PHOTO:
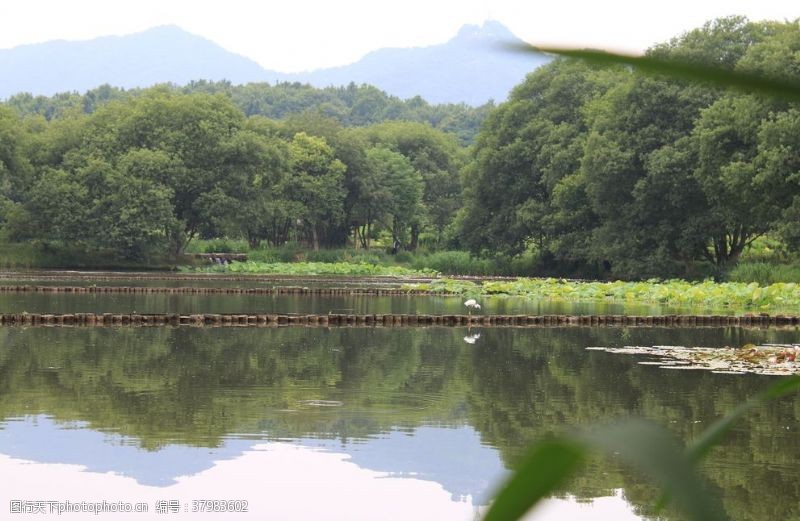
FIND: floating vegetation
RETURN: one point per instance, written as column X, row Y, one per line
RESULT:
column 312, row 268
column 675, row 293
column 767, row 359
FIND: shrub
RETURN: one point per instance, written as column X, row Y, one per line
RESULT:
column 764, row 273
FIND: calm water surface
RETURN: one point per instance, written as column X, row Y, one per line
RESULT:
column 363, row 423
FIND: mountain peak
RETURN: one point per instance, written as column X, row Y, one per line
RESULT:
column 491, row 30
column 167, row 28
column 167, row 31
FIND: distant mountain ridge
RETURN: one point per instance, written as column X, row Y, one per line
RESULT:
column 468, row 68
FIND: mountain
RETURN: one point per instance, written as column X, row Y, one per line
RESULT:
column 469, row 68
column 158, row 55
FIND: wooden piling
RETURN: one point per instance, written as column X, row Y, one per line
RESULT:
column 396, row 320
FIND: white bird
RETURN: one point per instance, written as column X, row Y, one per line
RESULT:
column 472, row 304
column 471, row 339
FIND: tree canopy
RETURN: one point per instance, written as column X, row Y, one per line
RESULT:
column 596, row 170
column 639, row 174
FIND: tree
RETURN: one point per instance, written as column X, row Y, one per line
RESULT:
column 15, row 168
column 316, row 184
column 263, row 213
column 726, row 140
column 527, row 146
column 349, row 147
column 200, row 134
column 643, row 124
column 438, row 159
column 395, row 192
column 777, row 180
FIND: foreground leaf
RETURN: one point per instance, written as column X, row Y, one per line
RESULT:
column 716, row 76
column 545, row 468
column 713, row 434
column 655, row 450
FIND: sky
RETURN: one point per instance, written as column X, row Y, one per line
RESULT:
column 292, row 36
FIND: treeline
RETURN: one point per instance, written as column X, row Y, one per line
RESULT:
column 596, row 171
column 351, row 106
column 609, row 170
column 143, row 176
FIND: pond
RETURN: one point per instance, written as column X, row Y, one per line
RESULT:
column 363, row 423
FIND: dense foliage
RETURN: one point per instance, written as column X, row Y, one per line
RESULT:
column 593, row 171
column 612, row 170
column 144, row 175
column 351, row 106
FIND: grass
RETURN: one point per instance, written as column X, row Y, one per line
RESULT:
column 27, row 255
column 764, row 273
column 736, row 296
column 445, row 262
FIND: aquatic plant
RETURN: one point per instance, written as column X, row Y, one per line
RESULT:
column 674, row 293
column 313, row 268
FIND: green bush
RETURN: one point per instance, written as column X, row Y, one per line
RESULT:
column 287, row 253
column 454, row 263
column 462, row 263
column 764, row 273
column 226, row 245
column 404, row 257
column 324, row 256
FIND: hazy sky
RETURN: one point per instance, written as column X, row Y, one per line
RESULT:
column 303, row 34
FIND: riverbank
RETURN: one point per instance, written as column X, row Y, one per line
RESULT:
column 697, row 297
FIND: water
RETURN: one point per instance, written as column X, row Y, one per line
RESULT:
column 364, row 423
column 165, row 303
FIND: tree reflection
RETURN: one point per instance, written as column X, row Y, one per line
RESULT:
column 198, row 386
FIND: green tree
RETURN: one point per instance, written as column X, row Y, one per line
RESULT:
column 726, row 137
column 395, row 192
column 438, row 159
column 349, row 147
column 316, row 184
column 200, row 134
column 778, row 178
column 527, row 146
column 15, row 168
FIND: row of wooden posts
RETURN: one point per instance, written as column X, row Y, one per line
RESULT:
column 185, row 290
column 230, row 319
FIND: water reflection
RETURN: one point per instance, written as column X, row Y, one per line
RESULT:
column 40, row 439
column 160, row 408
column 277, row 480
column 397, row 476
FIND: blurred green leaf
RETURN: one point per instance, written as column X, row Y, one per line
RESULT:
column 711, row 436
column 655, row 451
column 641, row 443
column 717, row 76
column 544, row 469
